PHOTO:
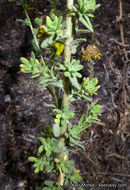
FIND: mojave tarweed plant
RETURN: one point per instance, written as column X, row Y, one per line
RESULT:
column 56, row 72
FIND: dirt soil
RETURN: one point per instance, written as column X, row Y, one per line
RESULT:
column 23, row 114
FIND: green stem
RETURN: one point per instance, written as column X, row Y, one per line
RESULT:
column 67, row 57
column 34, row 36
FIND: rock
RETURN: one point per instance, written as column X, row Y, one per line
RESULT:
column 7, row 98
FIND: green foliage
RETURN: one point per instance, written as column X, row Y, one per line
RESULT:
column 75, row 44
column 49, row 147
column 48, row 185
column 47, row 77
column 62, row 136
column 73, row 132
column 89, row 86
column 70, row 70
column 55, row 30
column 73, row 135
column 42, row 164
column 82, row 11
column 38, row 21
column 73, row 178
column 62, row 118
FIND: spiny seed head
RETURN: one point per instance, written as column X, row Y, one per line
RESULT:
column 91, row 52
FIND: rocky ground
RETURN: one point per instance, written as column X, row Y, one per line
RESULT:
column 23, row 114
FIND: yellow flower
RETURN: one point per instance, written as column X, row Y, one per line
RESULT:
column 58, row 53
column 59, row 47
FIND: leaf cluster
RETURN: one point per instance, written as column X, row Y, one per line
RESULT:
column 89, row 86
column 39, row 69
column 82, row 11
column 73, row 132
column 62, row 118
column 71, row 69
column 55, row 29
column 44, row 162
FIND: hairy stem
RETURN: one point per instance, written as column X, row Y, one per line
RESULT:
column 67, row 57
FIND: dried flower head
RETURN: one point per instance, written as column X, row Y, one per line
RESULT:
column 91, row 53
column 42, row 32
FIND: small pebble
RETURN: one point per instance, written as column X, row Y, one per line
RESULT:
column 7, row 98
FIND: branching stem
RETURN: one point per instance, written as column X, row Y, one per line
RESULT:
column 34, row 36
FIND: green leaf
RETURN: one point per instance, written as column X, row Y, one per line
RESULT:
column 74, row 82
column 36, row 47
column 89, row 23
column 41, row 167
column 59, row 22
column 36, row 170
column 27, row 22
column 97, row 6
column 72, row 140
column 56, row 130
column 90, row 15
column 86, row 97
column 50, row 105
column 45, row 43
column 81, row 4
column 36, row 165
column 48, row 21
column 85, row 23
column 97, row 109
column 32, row 159
column 75, row 178
column 67, row 74
column 40, row 149
column 38, row 21
column 24, row 60
column 35, row 30
column 62, row 67
column 43, row 141
column 48, row 152
column 49, row 183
